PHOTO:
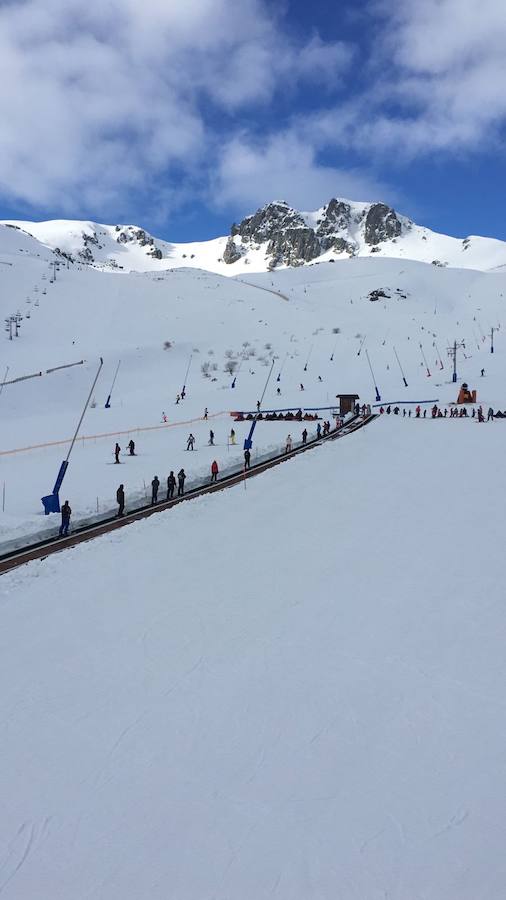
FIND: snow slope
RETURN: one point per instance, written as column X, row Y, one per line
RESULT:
column 317, row 315
column 292, row 691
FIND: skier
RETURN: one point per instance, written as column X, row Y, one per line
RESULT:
column 232, row 436
column 205, row 413
column 120, row 497
column 482, row 372
column 278, row 391
column 155, row 484
column 490, row 414
column 117, row 451
column 180, row 482
column 183, row 394
column 318, row 431
column 425, row 413
column 171, row 484
column 301, row 386
column 65, row 518
column 247, row 459
column 480, row 415
column 164, row 417
column 258, row 405
column 214, row 471
column 178, row 398
column 320, row 378
column 211, row 438
column 191, row 442
column 288, row 447
column 304, row 436
column 131, row 447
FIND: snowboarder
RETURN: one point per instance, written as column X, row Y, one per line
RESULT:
column 232, row 436
column 171, row 484
column 304, row 436
column 288, row 447
column 117, row 451
column 65, row 518
column 155, row 484
column 120, row 497
column 214, row 471
column 191, row 442
column 247, row 459
column 180, row 482
column 211, row 438
column 205, row 413
column 131, row 447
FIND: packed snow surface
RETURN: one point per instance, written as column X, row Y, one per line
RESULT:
column 293, row 690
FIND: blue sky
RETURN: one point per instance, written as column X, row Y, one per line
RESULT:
column 187, row 116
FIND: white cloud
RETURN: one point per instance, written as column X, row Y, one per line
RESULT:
column 285, row 168
column 100, row 98
column 444, row 62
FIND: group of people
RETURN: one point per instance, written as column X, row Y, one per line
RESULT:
column 117, row 450
column 454, row 412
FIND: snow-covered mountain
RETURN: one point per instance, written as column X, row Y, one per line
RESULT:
column 275, row 236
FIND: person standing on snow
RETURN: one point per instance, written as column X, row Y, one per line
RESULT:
column 232, row 436
column 247, row 459
column 171, row 484
column 131, row 447
column 288, row 447
column 318, row 431
column 205, row 413
column 211, row 438
column 117, row 451
column 214, row 471
column 155, row 484
column 304, row 436
column 181, row 476
column 191, row 442
column 490, row 414
column 65, row 518
column 120, row 497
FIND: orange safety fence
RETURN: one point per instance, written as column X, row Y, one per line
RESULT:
column 93, row 437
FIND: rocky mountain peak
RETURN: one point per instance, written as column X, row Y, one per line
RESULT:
column 292, row 238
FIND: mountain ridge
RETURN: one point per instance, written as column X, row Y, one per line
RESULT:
column 275, row 236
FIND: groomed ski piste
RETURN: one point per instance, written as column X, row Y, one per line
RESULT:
column 291, row 690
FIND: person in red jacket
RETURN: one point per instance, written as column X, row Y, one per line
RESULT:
column 214, row 471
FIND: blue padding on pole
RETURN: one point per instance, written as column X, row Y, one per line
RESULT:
column 51, row 504
column 61, row 475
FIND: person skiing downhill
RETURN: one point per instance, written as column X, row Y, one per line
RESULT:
column 155, row 484
column 65, row 518
column 120, row 497
column 171, row 484
column 214, row 471
column 117, row 451
column 181, row 476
